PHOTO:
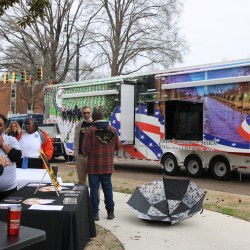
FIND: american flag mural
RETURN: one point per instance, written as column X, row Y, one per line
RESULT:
column 149, row 130
column 244, row 129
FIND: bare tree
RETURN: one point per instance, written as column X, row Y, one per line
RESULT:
column 126, row 36
column 29, row 98
column 44, row 42
column 134, row 34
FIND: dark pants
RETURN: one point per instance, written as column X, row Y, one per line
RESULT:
column 4, row 194
column 32, row 163
column 94, row 184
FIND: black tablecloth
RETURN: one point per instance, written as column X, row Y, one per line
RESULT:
column 70, row 228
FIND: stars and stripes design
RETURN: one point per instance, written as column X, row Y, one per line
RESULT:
column 225, row 145
column 210, row 143
column 244, row 129
column 231, row 145
column 148, row 132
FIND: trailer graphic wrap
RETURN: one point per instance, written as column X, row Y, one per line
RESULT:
column 197, row 118
column 244, row 129
column 50, row 103
column 148, row 131
column 225, row 116
column 58, row 99
column 208, row 75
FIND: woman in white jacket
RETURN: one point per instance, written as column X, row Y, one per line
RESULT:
column 9, row 148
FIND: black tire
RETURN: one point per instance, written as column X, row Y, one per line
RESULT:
column 193, row 165
column 170, row 165
column 220, row 168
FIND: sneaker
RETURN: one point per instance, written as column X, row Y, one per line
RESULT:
column 111, row 215
column 96, row 217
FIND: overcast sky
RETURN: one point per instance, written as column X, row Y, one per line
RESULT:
column 216, row 30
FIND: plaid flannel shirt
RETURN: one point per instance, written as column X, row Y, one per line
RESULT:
column 100, row 155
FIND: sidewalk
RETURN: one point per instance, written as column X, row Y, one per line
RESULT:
column 209, row 230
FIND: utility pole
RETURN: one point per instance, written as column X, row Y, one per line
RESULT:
column 77, row 56
column 77, row 48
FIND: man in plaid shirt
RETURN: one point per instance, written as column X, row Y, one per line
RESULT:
column 99, row 144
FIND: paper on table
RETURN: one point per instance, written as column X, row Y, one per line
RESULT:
column 37, row 201
column 46, row 207
column 36, row 185
column 67, row 184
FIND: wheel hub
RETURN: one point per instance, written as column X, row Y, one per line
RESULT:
column 193, row 167
column 169, row 165
column 220, row 169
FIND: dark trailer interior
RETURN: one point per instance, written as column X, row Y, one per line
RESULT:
column 183, row 120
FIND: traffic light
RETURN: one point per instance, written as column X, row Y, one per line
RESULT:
column 13, row 77
column 40, row 73
column 5, row 78
column 30, row 81
column 23, row 76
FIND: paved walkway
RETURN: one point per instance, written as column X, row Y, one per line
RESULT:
column 209, row 230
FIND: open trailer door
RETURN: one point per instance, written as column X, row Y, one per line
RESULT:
column 127, row 133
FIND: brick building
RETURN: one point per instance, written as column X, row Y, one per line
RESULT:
column 24, row 98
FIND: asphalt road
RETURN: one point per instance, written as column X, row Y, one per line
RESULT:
column 149, row 171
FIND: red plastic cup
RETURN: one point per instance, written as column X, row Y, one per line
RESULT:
column 14, row 217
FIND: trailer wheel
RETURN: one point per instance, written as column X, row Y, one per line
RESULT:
column 170, row 165
column 220, row 168
column 193, row 166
